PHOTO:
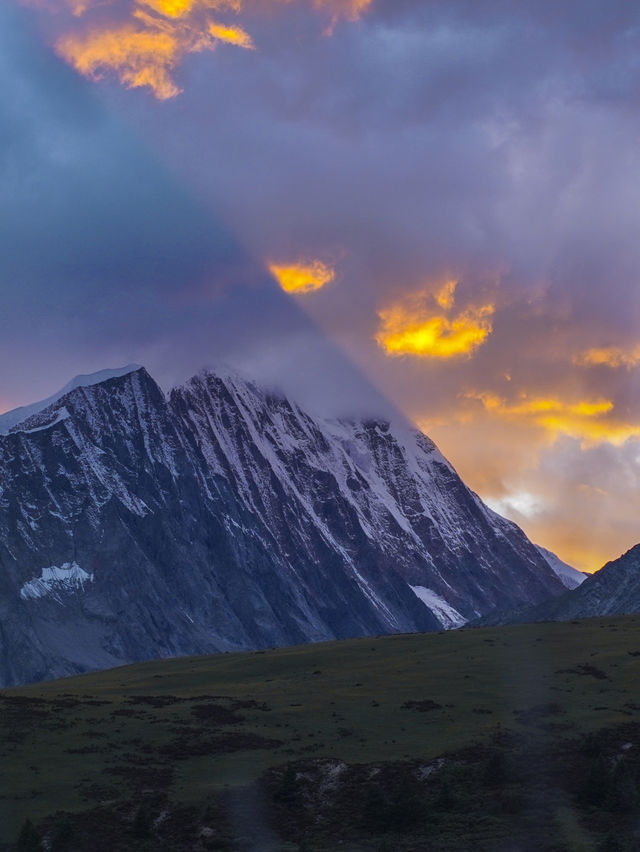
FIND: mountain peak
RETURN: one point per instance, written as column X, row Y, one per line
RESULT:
column 229, row 517
column 10, row 419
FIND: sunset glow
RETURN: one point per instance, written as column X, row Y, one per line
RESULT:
column 609, row 356
column 138, row 57
column 148, row 41
column 231, row 35
column 445, row 296
column 590, row 421
column 302, row 277
column 412, row 328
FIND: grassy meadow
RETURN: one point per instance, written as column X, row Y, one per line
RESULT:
column 509, row 738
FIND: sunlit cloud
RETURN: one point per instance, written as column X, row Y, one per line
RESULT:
column 445, row 297
column 590, row 421
column 147, row 51
column 231, row 35
column 303, row 276
column 138, row 57
column 520, row 502
column 148, row 42
column 609, row 356
column 180, row 8
column 413, row 327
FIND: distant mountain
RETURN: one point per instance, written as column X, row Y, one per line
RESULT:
column 224, row 517
column 570, row 577
column 613, row 590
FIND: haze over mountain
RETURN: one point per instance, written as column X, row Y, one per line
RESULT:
column 134, row 525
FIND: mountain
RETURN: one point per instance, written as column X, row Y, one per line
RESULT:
column 222, row 517
column 613, row 590
column 11, row 419
column 570, row 577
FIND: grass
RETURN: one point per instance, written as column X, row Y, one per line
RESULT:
column 198, row 733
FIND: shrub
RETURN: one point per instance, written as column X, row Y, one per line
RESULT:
column 29, row 839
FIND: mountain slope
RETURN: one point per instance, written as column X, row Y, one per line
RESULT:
column 570, row 577
column 12, row 419
column 613, row 590
column 225, row 517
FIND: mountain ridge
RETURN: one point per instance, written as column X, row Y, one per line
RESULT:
column 613, row 590
column 222, row 516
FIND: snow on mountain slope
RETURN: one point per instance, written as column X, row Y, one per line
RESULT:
column 362, row 482
column 446, row 614
column 55, row 581
column 570, row 577
column 10, row 419
column 227, row 517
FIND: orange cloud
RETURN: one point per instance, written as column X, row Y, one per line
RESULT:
column 146, row 51
column 147, row 45
column 445, row 297
column 231, row 35
column 410, row 328
column 590, row 421
column 609, row 356
column 169, row 8
column 302, row 277
column 138, row 57
column 183, row 8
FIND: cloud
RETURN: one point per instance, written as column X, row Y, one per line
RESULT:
column 146, row 51
column 590, row 421
column 494, row 145
column 303, row 276
column 147, row 40
column 410, row 327
column 609, row 356
column 103, row 252
column 490, row 144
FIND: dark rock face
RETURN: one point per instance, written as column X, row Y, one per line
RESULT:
column 613, row 590
column 224, row 517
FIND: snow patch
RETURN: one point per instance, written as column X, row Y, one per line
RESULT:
column 54, row 581
column 63, row 414
column 443, row 611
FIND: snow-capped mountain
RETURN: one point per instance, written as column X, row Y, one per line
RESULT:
column 224, row 517
column 570, row 577
column 10, row 419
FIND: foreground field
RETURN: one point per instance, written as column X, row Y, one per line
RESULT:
column 500, row 738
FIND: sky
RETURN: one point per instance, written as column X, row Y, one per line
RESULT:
column 430, row 204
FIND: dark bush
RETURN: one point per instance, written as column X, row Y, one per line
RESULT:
column 287, row 792
column 595, row 789
column 61, row 835
column 29, row 839
column 495, row 771
column 142, row 823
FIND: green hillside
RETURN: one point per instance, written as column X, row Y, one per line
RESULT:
column 499, row 738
